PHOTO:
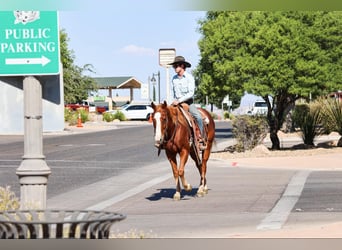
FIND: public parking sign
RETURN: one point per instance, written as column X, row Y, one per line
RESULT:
column 29, row 43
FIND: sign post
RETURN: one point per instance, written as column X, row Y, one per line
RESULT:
column 167, row 56
column 33, row 171
column 29, row 46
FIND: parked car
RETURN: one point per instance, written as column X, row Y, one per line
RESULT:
column 259, row 108
column 135, row 111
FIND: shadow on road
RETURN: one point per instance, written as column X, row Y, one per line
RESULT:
column 169, row 192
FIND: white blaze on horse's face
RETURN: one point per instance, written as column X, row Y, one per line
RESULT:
column 157, row 136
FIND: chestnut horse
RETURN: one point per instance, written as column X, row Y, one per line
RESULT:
column 173, row 134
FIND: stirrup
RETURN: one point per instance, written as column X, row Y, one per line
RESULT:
column 202, row 146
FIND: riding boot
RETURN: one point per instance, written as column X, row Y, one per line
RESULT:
column 201, row 142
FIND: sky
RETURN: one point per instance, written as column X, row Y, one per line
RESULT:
column 127, row 42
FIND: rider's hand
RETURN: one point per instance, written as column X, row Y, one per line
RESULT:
column 175, row 103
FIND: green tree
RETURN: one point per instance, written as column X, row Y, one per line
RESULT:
column 282, row 55
column 76, row 85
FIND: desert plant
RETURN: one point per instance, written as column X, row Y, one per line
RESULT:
column 84, row 114
column 331, row 112
column 308, row 119
column 226, row 115
column 249, row 131
column 214, row 115
column 132, row 234
column 8, row 199
column 68, row 114
column 108, row 117
column 120, row 116
column 71, row 116
column 331, row 115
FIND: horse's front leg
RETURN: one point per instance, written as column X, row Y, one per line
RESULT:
column 184, row 155
column 173, row 161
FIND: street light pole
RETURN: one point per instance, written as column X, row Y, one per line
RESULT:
column 153, row 80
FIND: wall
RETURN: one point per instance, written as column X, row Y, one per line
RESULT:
column 12, row 104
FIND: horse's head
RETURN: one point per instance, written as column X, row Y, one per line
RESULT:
column 160, row 120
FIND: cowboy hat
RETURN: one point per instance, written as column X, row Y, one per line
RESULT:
column 180, row 60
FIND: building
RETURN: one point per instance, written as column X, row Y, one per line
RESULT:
column 12, row 104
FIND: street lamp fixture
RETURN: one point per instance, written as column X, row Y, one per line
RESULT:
column 153, row 81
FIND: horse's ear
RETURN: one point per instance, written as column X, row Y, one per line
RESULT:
column 165, row 103
column 153, row 105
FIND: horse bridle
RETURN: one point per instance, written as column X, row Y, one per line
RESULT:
column 164, row 141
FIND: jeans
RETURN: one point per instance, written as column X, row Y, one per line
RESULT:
column 196, row 114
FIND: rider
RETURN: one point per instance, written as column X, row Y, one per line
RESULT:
column 183, row 88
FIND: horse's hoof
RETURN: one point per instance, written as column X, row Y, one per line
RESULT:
column 176, row 196
column 200, row 194
column 188, row 187
column 205, row 190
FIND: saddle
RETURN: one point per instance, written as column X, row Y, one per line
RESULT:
column 192, row 122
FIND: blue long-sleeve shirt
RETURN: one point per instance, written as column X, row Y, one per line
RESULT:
column 183, row 87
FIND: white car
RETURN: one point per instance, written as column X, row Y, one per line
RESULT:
column 259, row 108
column 135, row 111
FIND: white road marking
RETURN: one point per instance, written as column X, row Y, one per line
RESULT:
column 279, row 214
column 138, row 189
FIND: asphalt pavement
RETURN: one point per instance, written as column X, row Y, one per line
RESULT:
column 143, row 193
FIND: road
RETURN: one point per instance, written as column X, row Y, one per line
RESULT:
column 119, row 170
column 81, row 159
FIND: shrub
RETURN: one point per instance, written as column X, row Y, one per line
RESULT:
column 331, row 113
column 214, row 115
column 120, row 116
column 71, row 116
column 249, row 131
column 226, row 115
column 68, row 114
column 307, row 118
column 108, row 117
column 84, row 114
column 8, row 200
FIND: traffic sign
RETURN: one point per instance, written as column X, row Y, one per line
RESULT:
column 29, row 43
column 166, row 56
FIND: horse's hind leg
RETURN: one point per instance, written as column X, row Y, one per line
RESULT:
column 173, row 161
column 203, row 188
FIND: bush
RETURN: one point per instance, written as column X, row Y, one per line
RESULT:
column 214, row 115
column 68, row 114
column 226, row 115
column 249, row 131
column 307, row 117
column 120, row 116
column 331, row 113
column 84, row 114
column 71, row 116
column 108, row 117
column 8, row 200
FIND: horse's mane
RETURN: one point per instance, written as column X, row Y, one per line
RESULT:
column 176, row 114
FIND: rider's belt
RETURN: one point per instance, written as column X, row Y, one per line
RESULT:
column 189, row 101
